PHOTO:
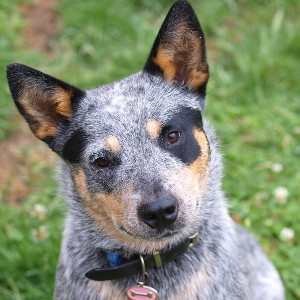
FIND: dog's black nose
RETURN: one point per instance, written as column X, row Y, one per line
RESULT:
column 161, row 213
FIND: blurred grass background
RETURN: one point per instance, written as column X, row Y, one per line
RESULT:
column 253, row 101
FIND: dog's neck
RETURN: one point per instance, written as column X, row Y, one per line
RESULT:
column 134, row 266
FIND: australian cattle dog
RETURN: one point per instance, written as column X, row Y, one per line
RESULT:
column 141, row 174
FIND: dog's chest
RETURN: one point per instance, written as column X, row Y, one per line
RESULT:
column 106, row 290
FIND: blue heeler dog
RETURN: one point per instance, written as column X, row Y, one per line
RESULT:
column 141, row 174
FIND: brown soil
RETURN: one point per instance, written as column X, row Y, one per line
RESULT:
column 24, row 159
column 42, row 23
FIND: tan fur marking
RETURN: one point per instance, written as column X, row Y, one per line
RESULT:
column 104, row 205
column 201, row 164
column 196, row 175
column 112, row 143
column 107, row 290
column 198, row 78
column 43, row 131
column 63, row 100
column 197, row 285
column 108, row 211
column 154, row 128
column 165, row 61
column 181, row 58
column 42, row 108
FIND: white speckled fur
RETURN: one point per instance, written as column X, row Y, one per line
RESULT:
column 227, row 263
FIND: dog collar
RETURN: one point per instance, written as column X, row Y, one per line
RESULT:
column 133, row 267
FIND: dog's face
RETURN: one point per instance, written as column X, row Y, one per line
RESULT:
column 141, row 165
column 136, row 149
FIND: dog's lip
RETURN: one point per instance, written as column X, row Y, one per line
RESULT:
column 159, row 237
column 168, row 234
column 125, row 230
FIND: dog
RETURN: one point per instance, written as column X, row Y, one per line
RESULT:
column 141, row 174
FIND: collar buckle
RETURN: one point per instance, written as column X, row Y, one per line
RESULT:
column 157, row 259
column 194, row 239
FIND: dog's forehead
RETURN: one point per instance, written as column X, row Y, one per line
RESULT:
column 134, row 102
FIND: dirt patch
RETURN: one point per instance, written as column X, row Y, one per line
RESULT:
column 24, row 162
column 42, row 23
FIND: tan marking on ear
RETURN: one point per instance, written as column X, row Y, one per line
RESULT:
column 165, row 61
column 154, row 128
column 63, row 100
column 108, row 211
column 196, row 174
column 198, row 78
column 44, row 131
column 43, row 109
column 180, row 57
column 107, row 290
column 112, row 143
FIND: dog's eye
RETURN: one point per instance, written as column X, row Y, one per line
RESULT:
column 103, row 162
column 173, row 137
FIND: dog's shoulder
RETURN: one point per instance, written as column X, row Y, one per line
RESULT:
column 263, row 278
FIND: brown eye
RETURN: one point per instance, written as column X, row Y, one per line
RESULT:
column 103, row 162
column 173, row 137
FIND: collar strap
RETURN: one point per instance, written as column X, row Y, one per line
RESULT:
column 133, row 267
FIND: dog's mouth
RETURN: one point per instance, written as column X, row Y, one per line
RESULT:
column 159, row 236
column 122, row 228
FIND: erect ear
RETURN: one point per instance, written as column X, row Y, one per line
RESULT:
column 178, row 53
column 44, row 101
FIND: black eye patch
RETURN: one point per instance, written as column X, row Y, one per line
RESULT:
column 75, row 146
column 185, row 145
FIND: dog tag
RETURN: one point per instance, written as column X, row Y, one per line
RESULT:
column 142, row 292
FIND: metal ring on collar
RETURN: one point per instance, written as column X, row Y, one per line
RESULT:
column 143, row 265
column 142, row 282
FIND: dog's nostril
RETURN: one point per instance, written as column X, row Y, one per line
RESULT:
column 170, row 210
column 150, row 217
column 161, row 213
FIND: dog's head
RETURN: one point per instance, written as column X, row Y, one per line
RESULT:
column 136, row 149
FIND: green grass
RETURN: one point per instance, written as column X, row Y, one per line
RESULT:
column 11, row 49
column 253, row 101
column 11, row 25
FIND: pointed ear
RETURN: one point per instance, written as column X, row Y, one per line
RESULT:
column 45, row 102
column 179, row 53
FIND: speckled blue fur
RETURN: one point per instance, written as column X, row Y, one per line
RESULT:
column 227, row 262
